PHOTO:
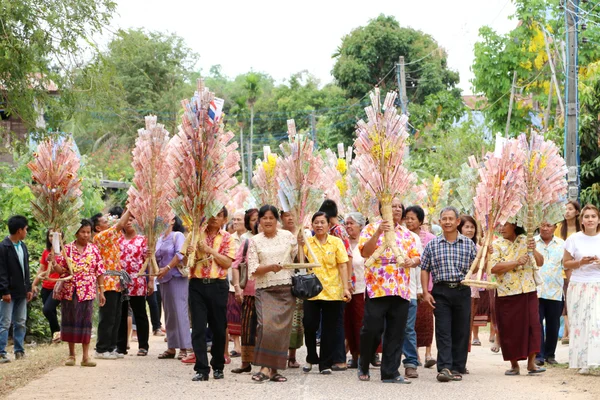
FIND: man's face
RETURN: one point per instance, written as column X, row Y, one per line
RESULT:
column 547, row 231
column 102, row 224
column 217, row 222
column 238, row 222
column 22, row 233
column 449, row 221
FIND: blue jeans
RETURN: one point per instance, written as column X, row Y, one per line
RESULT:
column 409, row 347
column 14, row 312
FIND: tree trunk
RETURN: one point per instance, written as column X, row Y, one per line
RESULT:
column 242, row 154
column 251, row 147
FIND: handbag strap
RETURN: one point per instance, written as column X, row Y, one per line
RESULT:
column 245, row 251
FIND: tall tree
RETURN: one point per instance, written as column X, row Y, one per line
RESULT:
column 253, row 90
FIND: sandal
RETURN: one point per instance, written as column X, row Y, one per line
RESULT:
column 476, row 342
column 88, row 363
column 182, row 354
column 259, row 377
column 142, row 352
column 363, row 377
column 352, row 364
column 56, row 337
column 376, row 361
column 398, row 379
column 495, row 348
column 536, row 371
column 292, row 363
column 429, row 362
column 165, row 355
column 512, row 372
column 278, row 378
column 234, row 354
column 70, row 362
column 247, row 368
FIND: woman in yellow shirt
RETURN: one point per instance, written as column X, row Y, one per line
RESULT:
column 517, row 307
column 325, row 308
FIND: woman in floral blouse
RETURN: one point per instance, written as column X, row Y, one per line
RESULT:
column 517, row 309
column 77, row 294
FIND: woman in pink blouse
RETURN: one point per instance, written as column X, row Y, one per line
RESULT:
column 134, row 249
column 77, row 294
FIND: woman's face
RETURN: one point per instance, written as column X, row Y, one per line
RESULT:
column 268, row 223
column 571, row 212
column 589, row 221
column 320, row 225
column 411, row 221
column 508, row 230
column 254, row 219
column 352, row 228
column 468, row 229
column 83, row 236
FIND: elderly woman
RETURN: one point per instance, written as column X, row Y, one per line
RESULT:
column 326, row 306
column 582, row 256
column 517, row 307
column 174, row 291
column 267, row 252
column 355, row 309
column 77, row 294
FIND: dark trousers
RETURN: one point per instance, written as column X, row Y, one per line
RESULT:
column 383, row 315
column 208, row 305
column 550, row 311
column 49, row 310
column 339, row 351
column 452, row 324
column 154, row 305
column 328, row 312
column 109, row 318
column 138, row 306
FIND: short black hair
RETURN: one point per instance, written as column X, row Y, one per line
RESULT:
column 48, row 241
column 223, row 211
column 15, row 223
column 84, row 222
column 94, row 220
column 330, row 208
column 116, row 211
column 519, row 230
column 319, row 214
column 247, row 216
column 267, row 207
column 178, row 225
column 419, row 212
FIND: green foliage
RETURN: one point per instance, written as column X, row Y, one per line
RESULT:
column 41, row 41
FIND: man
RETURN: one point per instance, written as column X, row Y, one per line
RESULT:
column 15, row 287
column 448, row 258
column 329, row 207
column 107, row 240
column 550, row 292
column 387, row 296
column 238, row 228
column 208, row 293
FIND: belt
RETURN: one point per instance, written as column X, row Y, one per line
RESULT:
column 207, row 281
column 452, row 285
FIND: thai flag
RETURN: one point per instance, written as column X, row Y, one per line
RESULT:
column 215, row 110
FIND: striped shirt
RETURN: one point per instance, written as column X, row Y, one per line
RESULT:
column 448, row 261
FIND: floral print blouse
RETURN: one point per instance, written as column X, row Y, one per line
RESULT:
column 108, row 245
column 519, row 280
column 133, row 257
column 87, row 267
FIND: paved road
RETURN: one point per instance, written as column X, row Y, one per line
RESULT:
column 149, row 378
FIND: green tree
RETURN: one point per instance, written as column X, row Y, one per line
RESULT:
column 252, row 87
column 41, row 43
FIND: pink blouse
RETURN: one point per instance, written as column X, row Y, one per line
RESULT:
column 87, row 267
column 133, row 257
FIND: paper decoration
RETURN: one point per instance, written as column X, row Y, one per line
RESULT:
column 152, row 188
column 240, row 198
column 436, row 197
column 464, row 189
column 266, row 185
column 336, row 176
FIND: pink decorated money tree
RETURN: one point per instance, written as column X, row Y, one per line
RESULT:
column 379, row 149
column 499, row 197
column 152, row 189
column 240, row 198
column 203, row 163
column 264, row 179
column 57, row 192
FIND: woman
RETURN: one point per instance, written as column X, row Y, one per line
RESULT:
column 582, row 257
column 174, row 291
column 78, row 293
column 274, row 301
column 245, row 297
column 355, row 308
column 414, row 218
column 49, row 303
column 326, row 306
column 234, row 308
column 134, row 249
column 566, row 228
column 517, row 308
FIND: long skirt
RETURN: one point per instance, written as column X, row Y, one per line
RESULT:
column 519, row 325
column 234, row 316
column 174, row 295
column 424, row 325
column 354, row 314
column 297, row 336
column 481, row 309
column 274, row 309
column 76, row 320
column 249, row 323
column 584, row 324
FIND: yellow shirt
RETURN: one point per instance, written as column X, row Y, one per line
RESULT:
column 329, row 255
column 519, row 280
column 204, row 268
column 557, row 234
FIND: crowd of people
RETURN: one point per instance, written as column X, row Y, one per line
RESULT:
column 375, row 309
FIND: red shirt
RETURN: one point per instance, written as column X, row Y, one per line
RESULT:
column 46, row 284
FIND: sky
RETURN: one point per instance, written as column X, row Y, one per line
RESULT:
column 284, row 37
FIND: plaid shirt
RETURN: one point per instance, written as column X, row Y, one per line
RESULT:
column 448, row 261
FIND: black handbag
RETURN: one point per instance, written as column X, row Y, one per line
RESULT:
column 243, row 267
column 306, row 286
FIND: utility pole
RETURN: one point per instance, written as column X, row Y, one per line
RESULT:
column 571, row 99
column 313, row 127
column 242, row 153
column 401, row 77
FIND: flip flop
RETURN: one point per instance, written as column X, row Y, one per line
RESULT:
column 398, row 379
column 476, row 342
column 259, row 377
column 166, row 355
column 495, row 348
column 512, row 372
column 278, row 378
column 364, row 377
column 142, row 352
column 234, row 354
column 536, row 371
